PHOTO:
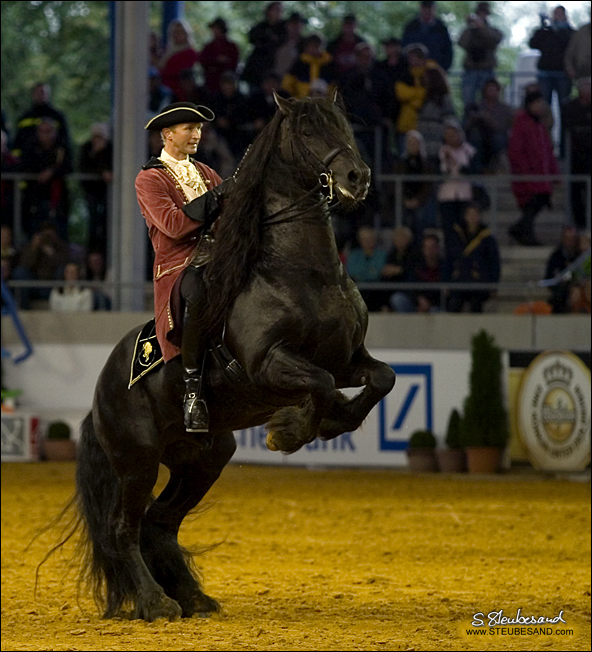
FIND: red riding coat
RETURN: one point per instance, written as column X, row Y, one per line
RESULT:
column 174, row 238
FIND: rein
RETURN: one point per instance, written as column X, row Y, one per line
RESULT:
column 325, row 180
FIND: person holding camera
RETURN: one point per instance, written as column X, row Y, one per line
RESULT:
column 552, row 39
column 480, row 41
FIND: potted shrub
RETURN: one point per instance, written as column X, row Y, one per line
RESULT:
column 421, row 452
column 57, row 445
column 453, row 458
column 484, row 426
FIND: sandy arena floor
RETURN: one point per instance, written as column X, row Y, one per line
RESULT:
column 328, row 560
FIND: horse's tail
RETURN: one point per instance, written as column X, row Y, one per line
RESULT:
column 97, row 493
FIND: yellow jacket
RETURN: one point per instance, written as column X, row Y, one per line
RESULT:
column 411, row 97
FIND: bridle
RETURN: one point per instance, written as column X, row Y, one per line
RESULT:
column 325, row 182
column 321, row 167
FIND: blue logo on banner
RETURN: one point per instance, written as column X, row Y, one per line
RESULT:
column 416, row 408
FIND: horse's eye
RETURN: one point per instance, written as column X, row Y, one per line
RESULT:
column 307, row 133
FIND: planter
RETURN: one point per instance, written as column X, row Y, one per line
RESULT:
column 452, row 460
column 422, row 460
column 483, row 459
column 59, row 450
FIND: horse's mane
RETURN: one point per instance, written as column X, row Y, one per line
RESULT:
column 237, row 246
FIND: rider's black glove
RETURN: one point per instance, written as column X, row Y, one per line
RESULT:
column 205, row 209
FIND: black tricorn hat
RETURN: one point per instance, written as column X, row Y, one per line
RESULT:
column 178, row 113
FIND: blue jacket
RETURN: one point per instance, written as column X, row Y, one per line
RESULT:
column 434, row 36
column 473, row 258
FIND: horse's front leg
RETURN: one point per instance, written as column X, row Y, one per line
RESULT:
column 292, row 427
column 346, row 414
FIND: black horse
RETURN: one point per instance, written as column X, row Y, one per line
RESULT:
column 294, row 322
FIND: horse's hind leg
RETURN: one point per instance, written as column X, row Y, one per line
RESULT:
column 151, row 602
column 346, row 414
column 193, row 472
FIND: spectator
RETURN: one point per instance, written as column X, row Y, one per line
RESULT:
column 155, row 49
column 265, row 37
column 261, row 104
column 576, row 122
column 9, row 251
column 41, row 109
column 547, row 118
column 180, row 54
column 71, row 297
column 552, row 39
column 218, row 56
column 43, row 259
column 410, row 90
column 96, row 270
column 436, row 108
column 578, row 56
column 428, row 270
column 401, row 260
column 287, row 54
column 388, row 72
column 456, row 157
column 480, row 41
column 580, row 294
column 214, row 151
column 47, row 197
column 159, row 95
column 431, row 32
column 358, row 92
column 343, row 48
column 488, row 125
column 314, row 63
column 365, row 264
column 418, row 202
column 189, row 91
column 530, row 151
column 10, row 163
column 96, row 157
column 231, row 111
column 473, row 258
column 562, row 256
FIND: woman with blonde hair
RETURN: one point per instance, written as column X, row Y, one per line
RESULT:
column 180, row 54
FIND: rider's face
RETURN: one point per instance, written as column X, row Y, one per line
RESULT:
column 184, row 138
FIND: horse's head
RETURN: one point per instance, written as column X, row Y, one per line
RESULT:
column 316, row 135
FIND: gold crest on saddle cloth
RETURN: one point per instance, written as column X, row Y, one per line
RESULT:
column 147, row 353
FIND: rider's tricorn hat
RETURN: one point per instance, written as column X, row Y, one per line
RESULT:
column 178, row 113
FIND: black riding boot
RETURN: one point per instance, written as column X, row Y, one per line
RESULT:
column 193, row 348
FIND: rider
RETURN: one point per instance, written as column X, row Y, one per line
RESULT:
column 180, row 198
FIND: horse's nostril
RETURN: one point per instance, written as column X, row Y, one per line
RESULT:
column 353, row 177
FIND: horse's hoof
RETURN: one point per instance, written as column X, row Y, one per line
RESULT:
column 164, row 607
column 270, row 442
column 199, row 606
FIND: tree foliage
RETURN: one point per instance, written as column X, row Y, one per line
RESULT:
column 65, row 44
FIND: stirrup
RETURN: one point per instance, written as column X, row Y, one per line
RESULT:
column 195, row 414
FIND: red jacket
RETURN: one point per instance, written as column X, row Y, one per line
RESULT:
column 217, row 57
column 174, row 238
column 530, row 151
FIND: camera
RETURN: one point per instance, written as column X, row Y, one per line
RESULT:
column 545, row 21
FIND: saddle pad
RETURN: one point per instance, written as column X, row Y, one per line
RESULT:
column 147, row 354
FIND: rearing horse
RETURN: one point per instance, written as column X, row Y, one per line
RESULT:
column 294, row 323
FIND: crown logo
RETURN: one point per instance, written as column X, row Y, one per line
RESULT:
column 558, row 373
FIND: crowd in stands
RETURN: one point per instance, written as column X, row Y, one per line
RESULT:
column 406, row 92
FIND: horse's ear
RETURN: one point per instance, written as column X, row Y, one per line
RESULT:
column 283, row 105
